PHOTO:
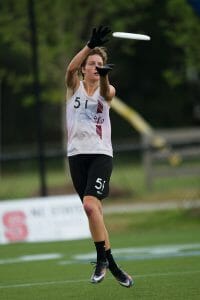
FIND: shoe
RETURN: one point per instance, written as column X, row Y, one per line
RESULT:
column 123, row 278
column 99, row 272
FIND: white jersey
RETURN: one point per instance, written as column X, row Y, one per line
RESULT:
column 88, row 124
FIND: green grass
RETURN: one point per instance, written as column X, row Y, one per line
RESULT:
column 159, row 278
column 23, row 180
column 131, row 178
column 127, row 183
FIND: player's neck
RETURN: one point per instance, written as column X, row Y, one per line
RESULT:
column 90, row 86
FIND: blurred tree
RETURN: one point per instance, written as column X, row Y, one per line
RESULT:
column 151, row 76
column 157, row 76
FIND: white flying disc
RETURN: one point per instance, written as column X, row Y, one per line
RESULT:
column 131, row 36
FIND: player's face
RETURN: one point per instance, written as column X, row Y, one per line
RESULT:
column 89, row 70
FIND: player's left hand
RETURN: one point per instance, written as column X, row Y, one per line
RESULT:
column 103, row 71
column 99, row 36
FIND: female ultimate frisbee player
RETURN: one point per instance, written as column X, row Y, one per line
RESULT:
column 89, row 143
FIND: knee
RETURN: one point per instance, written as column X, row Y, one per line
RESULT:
column 89, row 205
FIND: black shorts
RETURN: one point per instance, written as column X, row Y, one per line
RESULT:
column 91, row 174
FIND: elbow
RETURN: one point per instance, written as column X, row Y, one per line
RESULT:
column 106, row 95
column 108, row 92
column 70, row 70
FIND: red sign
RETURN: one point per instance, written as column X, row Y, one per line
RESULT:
column 15, row 226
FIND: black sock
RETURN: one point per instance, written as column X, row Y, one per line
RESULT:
column 101, row 252
column 112, row 264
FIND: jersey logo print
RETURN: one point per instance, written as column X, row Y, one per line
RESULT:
column 99, row 130
column 99, row 111
column 99, row 107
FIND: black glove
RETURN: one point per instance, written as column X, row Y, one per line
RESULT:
column 103, row 71
column 98, row 36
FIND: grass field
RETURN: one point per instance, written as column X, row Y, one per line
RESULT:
column 162, row 251
column 21, row 180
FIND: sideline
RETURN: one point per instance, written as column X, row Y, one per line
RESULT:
column 142, row 207
column 32, row 284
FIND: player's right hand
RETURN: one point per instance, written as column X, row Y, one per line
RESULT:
column 98, row 36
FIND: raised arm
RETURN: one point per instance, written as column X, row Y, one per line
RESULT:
column 71, row 77
column 98, row 38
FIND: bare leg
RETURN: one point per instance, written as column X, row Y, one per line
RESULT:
column 93, row 209
column 107, row 241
